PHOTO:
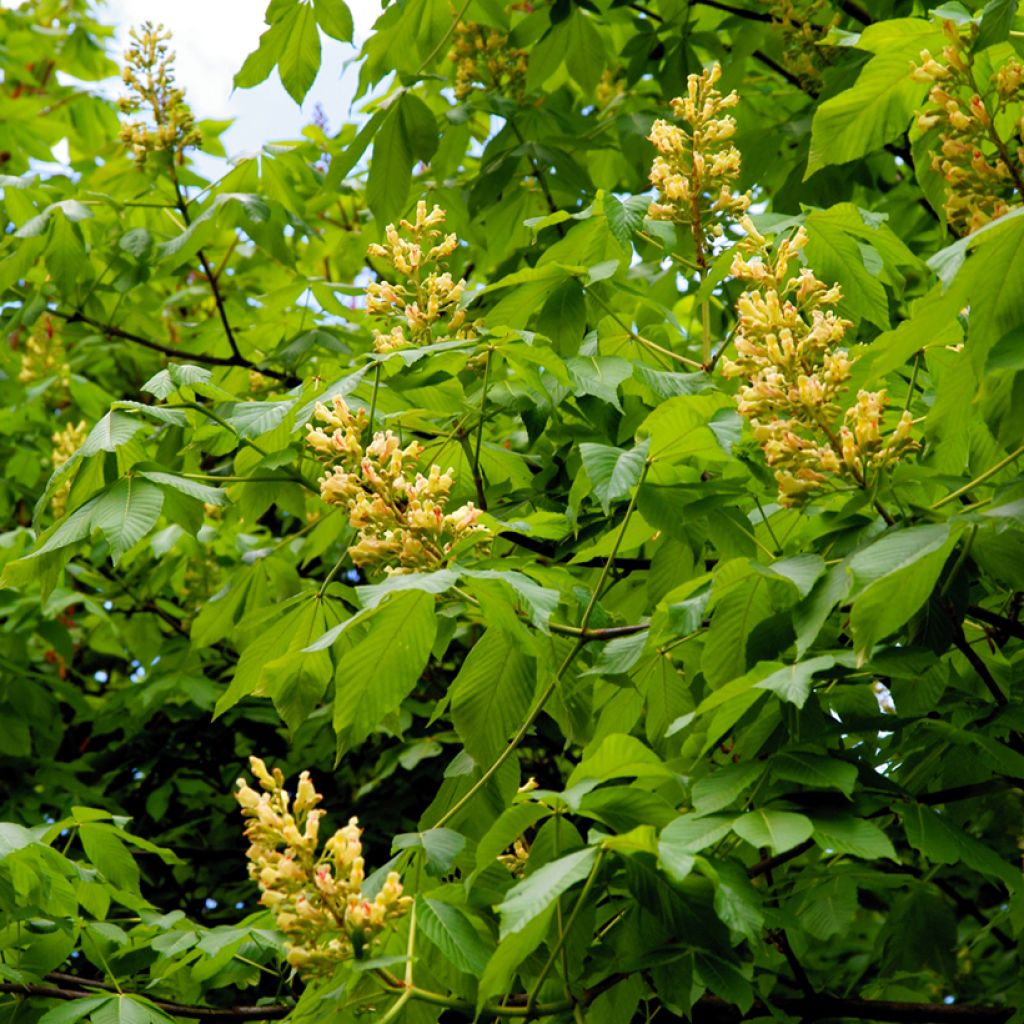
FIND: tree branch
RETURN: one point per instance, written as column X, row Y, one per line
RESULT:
column 979, row 666
column 707, row 1010
column 766, row 866
column 1010, row 627
column 78, row 317
column 229, row 1013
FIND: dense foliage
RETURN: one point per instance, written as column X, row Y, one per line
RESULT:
column 597, row 466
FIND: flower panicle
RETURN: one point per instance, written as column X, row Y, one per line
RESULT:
column 803, row 26
column 486, row 61
column 44, row 355
column 400, row 514
column 697, row 165
column 790, row 355
column 980, row 151
column 423, row 304
column 65, row 443
column 315, row 892
column 149, row 75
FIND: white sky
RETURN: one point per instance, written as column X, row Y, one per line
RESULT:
column 212, row 38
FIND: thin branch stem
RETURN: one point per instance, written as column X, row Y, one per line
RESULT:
column 218, row 299
column 706, row 1008
column 531, row 999
column 980, row 479
column 481, row 497
column 640, row 339
column 549, row 689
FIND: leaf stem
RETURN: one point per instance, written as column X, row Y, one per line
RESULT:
column 531, row 999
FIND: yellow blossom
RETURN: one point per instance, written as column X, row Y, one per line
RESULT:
column 315, row 893
column 983, row 169
column 423, row 305
column 485, row 60
column 44, row 354
column 788, row 352
column 399, row 513
column 65, row 443
column 697, row 166
column 803, row 25
column 149, row 75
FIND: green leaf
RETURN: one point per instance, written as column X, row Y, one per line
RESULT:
column 678, row 428
column 685, row 837
column 724, row 785
column 599, row 376
column 996, row 21
column 452, row 932
column 986, row 270
column 126, row 513
column 300, row 59
column 537, row 892
column 406, row 134
column 193, row 488
column 251, row 419
column 878, row 107
column 725, row 980
column 334, row 19
column 440, row 847
column 512, row 823
column 110, row 432
column 128, row 1010
column 74, row 1010
column 491, row 695
column 793, row 683
column 834, row 251
column 619, row 756
column 778, row 830
column 375, row 675
column 814, row 770
column 908, row 577
column 613, row 472
column 110, row 855
column 855, row 836
column 584, row 49
column 944, row 842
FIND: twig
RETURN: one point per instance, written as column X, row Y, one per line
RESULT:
column 707, row 1010
column 236, row 1013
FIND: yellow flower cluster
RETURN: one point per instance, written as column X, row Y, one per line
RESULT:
column 399, row 513
column 788, row 351
column 422, row 305
column 803, row 24
column 977, row 131
column 697, row 167
column 315, row 894
column 44, row 354
column 484, row 60
column 149, row 75
column 65, row 443
column 515, row 862
column 610, row 86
